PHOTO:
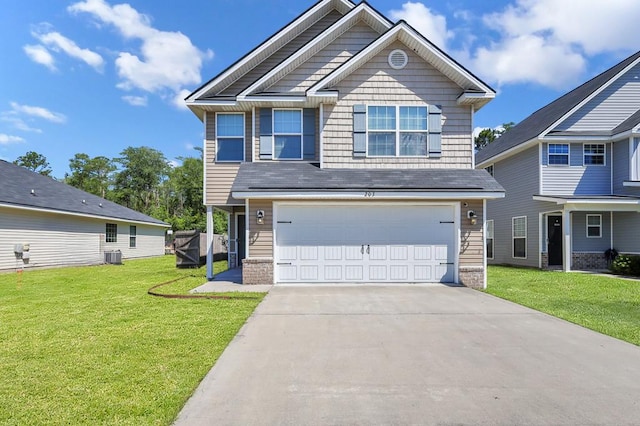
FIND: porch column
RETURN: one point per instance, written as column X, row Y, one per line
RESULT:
column 566, row 227
column 209, row 243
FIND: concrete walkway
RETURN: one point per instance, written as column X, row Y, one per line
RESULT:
column 230, row 281
column 423, row 355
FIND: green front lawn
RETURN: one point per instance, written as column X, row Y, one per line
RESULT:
column 606, row 304
column 87, row 345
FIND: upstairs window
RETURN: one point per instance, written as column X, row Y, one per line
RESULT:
column 287, row 134
column 230, row 137
column 594, row 154
column 111, row 233
column 397, row 131
column 558, row 154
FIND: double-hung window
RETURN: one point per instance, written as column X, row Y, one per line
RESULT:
column 287, row 134
column 489, row 239
column 558, row 154
column 397, row 131
column 132, row 236
column 594, row 226
column 593, row 154
column 519, row 233
column 230, row 137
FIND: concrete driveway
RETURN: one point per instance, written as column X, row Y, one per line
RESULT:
column 414, row 355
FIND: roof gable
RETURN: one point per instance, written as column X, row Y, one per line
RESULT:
column 403, row 32
column 549, row 116
column 22, row 188
column 361, row 13
column 269, row 47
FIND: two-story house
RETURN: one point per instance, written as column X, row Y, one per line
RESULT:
column 341, row 149
column 571, row 172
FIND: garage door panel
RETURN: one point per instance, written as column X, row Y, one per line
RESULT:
column 378, row 243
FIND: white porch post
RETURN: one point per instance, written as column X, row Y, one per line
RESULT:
column 209, row 243
column 566, row 227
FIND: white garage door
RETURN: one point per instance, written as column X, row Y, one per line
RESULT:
column 365, row 243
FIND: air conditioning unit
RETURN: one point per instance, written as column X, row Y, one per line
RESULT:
column 113, row 257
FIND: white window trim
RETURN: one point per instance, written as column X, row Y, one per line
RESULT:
column 492, row 238
column 274, row 134
column 604, row 155
column 397, row 131
column 513, row 237
column 243, row 138
column 599, row 226
column 106, row 234
column 568, row 154
column 634, row 159
column 134, row 236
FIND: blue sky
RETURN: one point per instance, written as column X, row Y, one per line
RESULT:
column 97, row 76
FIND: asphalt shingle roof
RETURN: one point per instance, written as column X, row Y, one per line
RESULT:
column 540, row 120
column 16, row 184
column 305, row 177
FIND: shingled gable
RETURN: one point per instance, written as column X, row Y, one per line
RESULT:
column 475, row 90
column 266, row 49
column 362, row 12
column 23, row 189
column 546, row 118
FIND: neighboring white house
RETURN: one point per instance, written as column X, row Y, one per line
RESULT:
column 44, row 223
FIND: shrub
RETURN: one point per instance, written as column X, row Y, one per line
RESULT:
column 626, row 264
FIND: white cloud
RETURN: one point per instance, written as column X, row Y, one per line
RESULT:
column 17, row 122
column 167, row 62
column 40, row 112
column 428, row 23
column 174, row 163
column 40, row 54
column 9, row 139
column 57, row 41
column 135, row 100
column 178, row 99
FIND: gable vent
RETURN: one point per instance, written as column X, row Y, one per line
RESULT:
column 398, row 59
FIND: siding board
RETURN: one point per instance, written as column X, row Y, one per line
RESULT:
column 260, row 236
column 576, row 179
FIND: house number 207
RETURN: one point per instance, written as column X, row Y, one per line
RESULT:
column 369, row 194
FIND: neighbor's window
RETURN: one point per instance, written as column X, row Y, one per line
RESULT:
column 594, row 226
column 287, row 134
column 519, row 231
column 132, row 236
column 230, row 137
column 397, row 131
column 559, row 154
column 594, row 154
column 112, row 233
column 489, row 239
column 489, row 169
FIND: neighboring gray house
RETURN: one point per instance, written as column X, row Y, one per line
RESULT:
column 341, row 149
column 571, row 172
column 58, row 225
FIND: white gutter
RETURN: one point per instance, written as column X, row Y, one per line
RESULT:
column 366, row 195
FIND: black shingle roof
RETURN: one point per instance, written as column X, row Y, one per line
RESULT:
column 305, row 177
column 16, row 184
column 540, row 120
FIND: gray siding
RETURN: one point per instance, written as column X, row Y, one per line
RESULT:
column 576, row 179
column 626, row 232
column 519, row 176
column 579, row 233
column 282, row 54
column 609, row 108
column 60, row 240
column 620, row 166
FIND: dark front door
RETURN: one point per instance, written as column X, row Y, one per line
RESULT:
column 554, row 240
column 241, row 238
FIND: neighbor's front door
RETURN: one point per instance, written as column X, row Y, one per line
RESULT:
column 554, row 240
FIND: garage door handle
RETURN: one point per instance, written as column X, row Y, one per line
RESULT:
column 446, row 221
column 362, row 250
column 447, row 263
column 284, row 263
column 368, row 247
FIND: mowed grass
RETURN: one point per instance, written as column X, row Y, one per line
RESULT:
column 87, row 345
column 605, row 304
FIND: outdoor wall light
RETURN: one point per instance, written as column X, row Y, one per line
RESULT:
column 260, row 217
column 473, row 217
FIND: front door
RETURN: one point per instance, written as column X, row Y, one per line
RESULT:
column 241, row 238
column 554, row 240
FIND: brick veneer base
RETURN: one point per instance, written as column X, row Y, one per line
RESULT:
column 588, row 261
column 472, row 276
column 257, row 271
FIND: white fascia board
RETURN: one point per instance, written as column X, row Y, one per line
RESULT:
column 270, row 99
column 92, row 216
column 367, row 195
column 315, row 9
column 590, row 97
column 508, row 153
column 592, row 204
column 210, row 103
column 631, row 183
column 347, row 20
column 559, row 138
column 465, row 97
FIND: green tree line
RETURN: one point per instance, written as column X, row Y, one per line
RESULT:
column 142, row 179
